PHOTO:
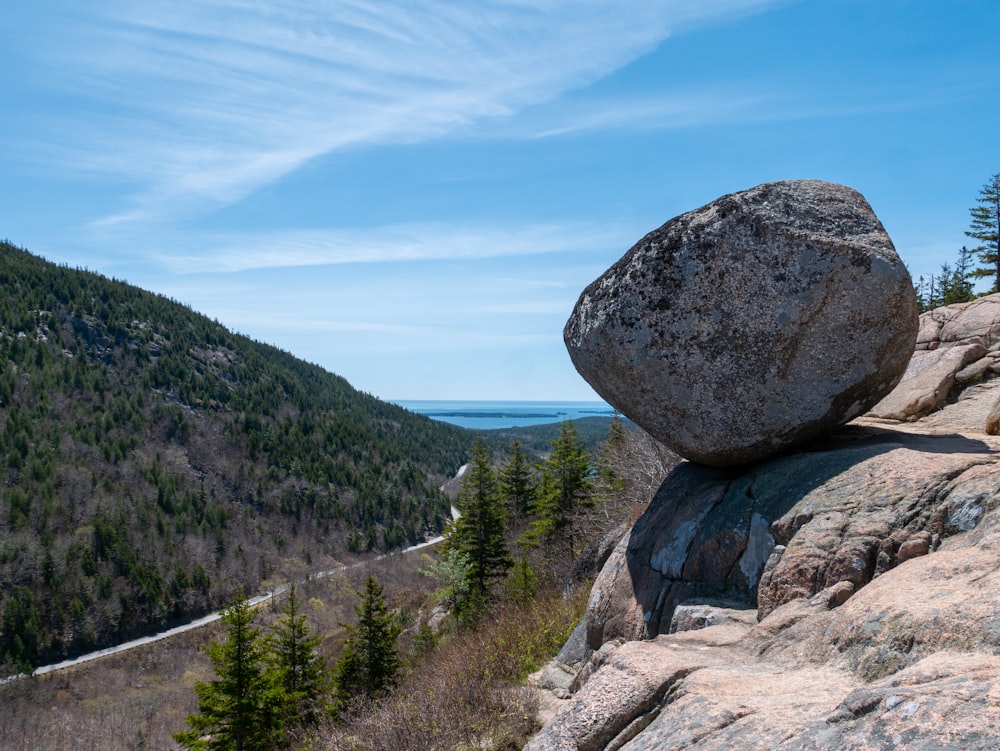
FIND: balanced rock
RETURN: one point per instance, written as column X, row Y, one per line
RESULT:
column 751, row 325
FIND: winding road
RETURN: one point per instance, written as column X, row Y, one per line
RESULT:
column 211, row 618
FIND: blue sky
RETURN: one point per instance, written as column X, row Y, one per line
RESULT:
column 413, row 194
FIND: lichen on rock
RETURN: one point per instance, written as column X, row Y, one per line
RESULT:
column 751, row 325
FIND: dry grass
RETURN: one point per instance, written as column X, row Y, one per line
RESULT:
column 138, row 699
column 135, row 700
column 467, row 693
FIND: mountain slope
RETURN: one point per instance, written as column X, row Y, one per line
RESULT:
column 154, row 463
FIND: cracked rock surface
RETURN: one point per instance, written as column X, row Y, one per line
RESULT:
column 867, row 618
column 791, row 527
column 958, row 347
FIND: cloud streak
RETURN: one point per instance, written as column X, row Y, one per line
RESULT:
column 747, row 102
column 429, row 241
column 235, row 95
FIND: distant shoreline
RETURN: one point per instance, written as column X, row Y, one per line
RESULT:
column 499, row 414
column 476, row 413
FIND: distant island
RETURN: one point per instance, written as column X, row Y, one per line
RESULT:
column 516, row 415
column 506, row 415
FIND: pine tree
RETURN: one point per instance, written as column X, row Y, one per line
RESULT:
column 454, row 573
column 300, row 671
column 985, row 227
column 565, row 489
column 517, row 486
column 480, row 531
column 240, row 710
column 955, row 284
column 369, row 663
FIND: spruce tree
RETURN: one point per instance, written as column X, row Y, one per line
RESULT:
column 955, row 284
column 517, row 486
column 985, row 227
column 240, row 709
column 300, row 671
column 564, row 491
column 480, row 531
column 454, row 573
column 369, row 663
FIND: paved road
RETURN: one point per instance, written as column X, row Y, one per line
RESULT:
column 204, row 621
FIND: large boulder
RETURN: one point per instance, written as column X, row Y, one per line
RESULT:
column 751, row 325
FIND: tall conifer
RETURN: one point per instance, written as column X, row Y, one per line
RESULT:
column 566, row 487
column 480, row 531
column 985, row 227
column 370, row 662
column 240, row 709
column 301, row 673
column 516, row 484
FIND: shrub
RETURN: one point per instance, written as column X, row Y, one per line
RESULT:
column 468, row 692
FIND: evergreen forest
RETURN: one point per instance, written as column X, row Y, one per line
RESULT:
column 155, row 463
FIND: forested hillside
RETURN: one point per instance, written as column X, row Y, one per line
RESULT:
column 153, row 462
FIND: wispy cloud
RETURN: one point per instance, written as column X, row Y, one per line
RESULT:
column 746, row 101
column 410, row 242
column 674, row 110
column 236, row 94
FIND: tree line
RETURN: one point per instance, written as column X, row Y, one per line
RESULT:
column 955, row 283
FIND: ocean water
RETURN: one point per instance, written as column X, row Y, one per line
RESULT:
column 488, row 415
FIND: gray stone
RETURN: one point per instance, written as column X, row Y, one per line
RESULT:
column 560, row 674
column 695, row 615
column 627, row 688
column 751, row 325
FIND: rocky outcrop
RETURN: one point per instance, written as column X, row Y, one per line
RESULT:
column 751, row 325
column 791, row 527
column 927, row 382
column 872, row 624
column 841, row 597
column 957, row 345
column 966, row 323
